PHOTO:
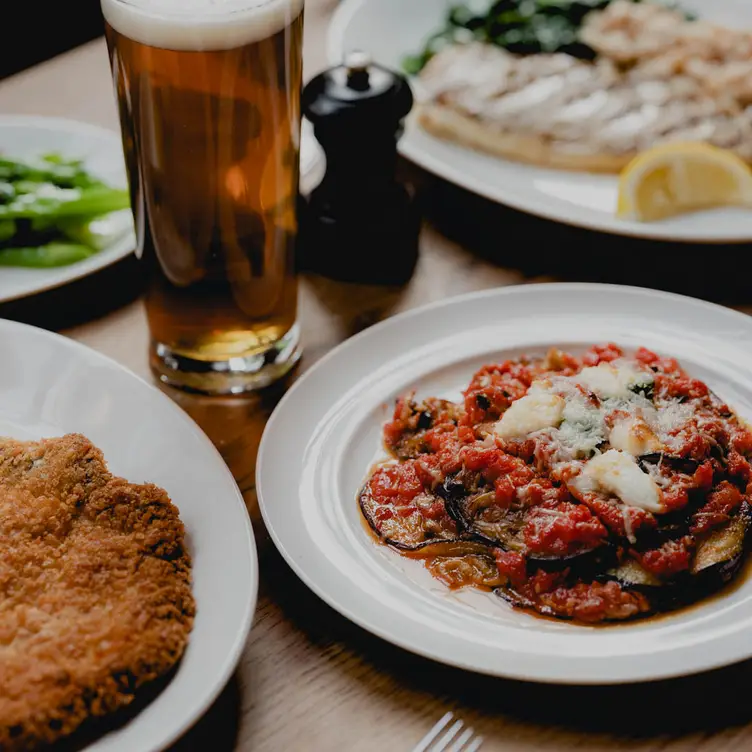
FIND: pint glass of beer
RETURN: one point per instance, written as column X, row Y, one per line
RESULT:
column 209, row 100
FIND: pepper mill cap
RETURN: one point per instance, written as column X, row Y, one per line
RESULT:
column 359, row 88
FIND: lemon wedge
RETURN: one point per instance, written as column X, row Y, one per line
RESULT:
column 682, row 177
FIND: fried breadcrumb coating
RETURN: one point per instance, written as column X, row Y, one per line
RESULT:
column 95, row 588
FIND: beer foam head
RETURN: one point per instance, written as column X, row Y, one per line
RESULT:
column 196, row 25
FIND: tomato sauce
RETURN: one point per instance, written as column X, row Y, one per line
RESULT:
column 513, row 516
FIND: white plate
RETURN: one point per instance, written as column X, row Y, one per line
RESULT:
column 390, row 29
column 102, row 152
column 49, row 386
column 326, row 432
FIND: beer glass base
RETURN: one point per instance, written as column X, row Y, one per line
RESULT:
column 233, row 376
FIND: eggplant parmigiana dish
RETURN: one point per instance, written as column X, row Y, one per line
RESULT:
column 597, row 488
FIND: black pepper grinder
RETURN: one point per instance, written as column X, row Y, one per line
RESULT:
column 359, row 224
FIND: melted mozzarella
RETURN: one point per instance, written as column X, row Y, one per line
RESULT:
column 617, row 473
column 634, row 436
column 612, row 381
column 537, row 410
column 561, row 412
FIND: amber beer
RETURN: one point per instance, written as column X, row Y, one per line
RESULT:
column 209, row 99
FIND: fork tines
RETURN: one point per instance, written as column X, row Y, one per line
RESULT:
column 454, row 739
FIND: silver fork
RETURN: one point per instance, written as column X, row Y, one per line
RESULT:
column 467, row 741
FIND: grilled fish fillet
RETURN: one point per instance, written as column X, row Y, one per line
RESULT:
column 662, row 42
column 95, row 595
column 557, row 111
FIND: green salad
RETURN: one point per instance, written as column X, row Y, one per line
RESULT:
column 54, row 213
column 524, row 27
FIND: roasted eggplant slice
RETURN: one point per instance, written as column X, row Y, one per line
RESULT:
column 405, row 435
column 518, row 600
column 588, row 602
column 719, row 556
column 449, row 548
column 406, row 527
column 677, row 464
column 661, row 595
column 475, row 569
column 452, row 490
column 479, row 516
column 716, row 561
column 632, row 574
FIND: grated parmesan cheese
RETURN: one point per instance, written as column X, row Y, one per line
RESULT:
column 568, row 416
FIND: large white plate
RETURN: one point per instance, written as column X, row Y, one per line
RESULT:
column 326, row 432
column 389, row 29
column 49, row 386
column 102, row 152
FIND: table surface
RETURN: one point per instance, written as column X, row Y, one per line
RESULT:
column 309, row 679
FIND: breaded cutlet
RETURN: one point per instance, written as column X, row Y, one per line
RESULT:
column 95, row 588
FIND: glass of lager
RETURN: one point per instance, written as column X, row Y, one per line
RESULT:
column 209, row 99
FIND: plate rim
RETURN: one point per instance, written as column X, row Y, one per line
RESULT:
column 344, row 14
column 363, row 622
column 236, row 651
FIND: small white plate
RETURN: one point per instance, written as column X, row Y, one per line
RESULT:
column 102, row 152
column 326, row 432
column 49, row 386
column 391, row 29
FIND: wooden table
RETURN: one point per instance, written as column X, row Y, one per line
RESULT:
column 309, row 679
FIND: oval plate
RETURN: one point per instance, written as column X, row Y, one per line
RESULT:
column 391, row 29
column 49, row 386
column 330, row 423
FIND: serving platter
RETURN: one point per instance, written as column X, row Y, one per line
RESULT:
column 391, row 29
column 50, row 386
column 331, row 422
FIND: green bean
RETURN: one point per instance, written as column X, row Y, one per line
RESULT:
column 54, row 213
column 45, row 256
column 7, row 229
column 49, row 200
